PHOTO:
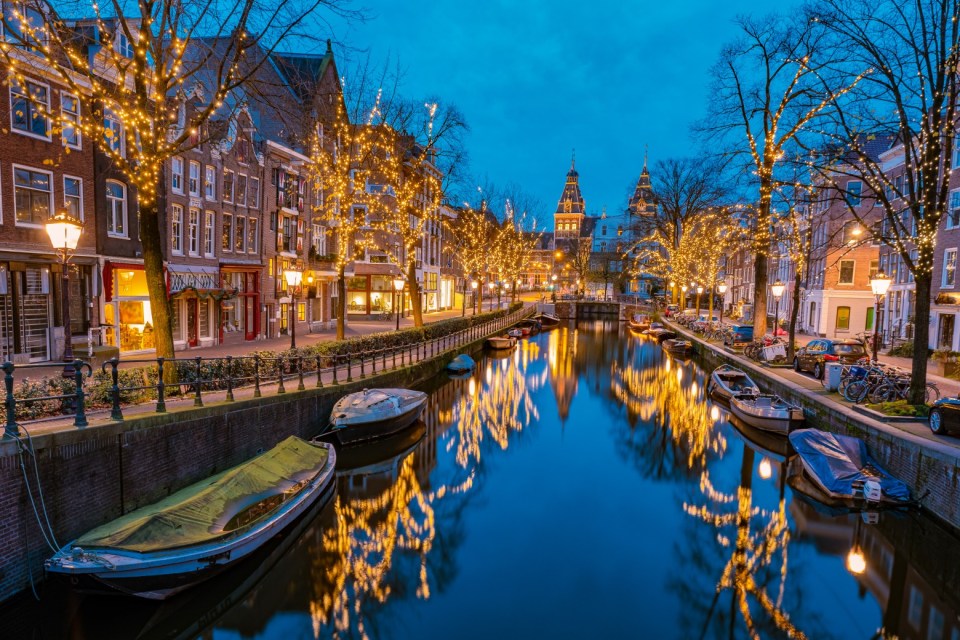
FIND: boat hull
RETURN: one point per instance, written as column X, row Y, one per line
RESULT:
column 374, row 430
column 500, row 343
column 722, row 378
column 781, row 421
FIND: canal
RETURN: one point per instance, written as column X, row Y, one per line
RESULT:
column 581, row 486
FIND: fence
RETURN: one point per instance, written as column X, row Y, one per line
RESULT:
column 227, row 374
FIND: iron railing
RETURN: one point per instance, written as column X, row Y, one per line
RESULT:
column 196, row 375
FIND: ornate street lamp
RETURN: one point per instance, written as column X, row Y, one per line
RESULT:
column 294, row 278
column 673, row 292
column 398, row 297
column 474, row 285
column 777, row 290
column 699, row 292
column 64, row 231
column 721, row 289
column 879, row 284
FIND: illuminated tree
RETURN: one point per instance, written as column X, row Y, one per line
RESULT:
column 469, row 244
column 131, row 65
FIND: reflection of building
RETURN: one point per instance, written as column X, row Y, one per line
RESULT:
column 561, row 353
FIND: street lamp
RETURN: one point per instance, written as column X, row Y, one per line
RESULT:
column 699, row 292
column 294, row 278
column 64, row 232
column 722, row 289
column 398, row 288
column 777, row 290
column 474, row 285
column 673, row 291
column 683, row 290
column 493, row 285
column 879, row 283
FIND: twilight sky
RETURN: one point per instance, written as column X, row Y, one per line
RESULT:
column 536, row 78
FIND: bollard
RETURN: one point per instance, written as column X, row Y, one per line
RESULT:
column 394, row 357
column 361, row 366
column 115, row 412
column 10, row 429
column 319, row 373
column 256, row 376
column 300, row 386
column 373, row 361
column 80, row 419
column 198, row 400
column 280, row 387
column 229, row 378
column 161, row 388
column 336, row 361
column 403, row 353
column 349, row 368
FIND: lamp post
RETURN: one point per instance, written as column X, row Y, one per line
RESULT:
column 721, row 289
column 673, row 292
column 493, row 285
column 879, row 284
column 294, row 278
column 683, row 291
column 398, row 297
column 474, row 285
column 699, row 293
column 777, row 290
column 64, row 232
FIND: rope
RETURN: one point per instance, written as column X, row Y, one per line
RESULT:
column 45, row 530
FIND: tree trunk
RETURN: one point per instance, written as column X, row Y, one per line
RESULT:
column 150, row 240
column 341, row 303
column 710, row 312
column 921, row 336
column 415, row 302
column 760, row 295
column 794, row 313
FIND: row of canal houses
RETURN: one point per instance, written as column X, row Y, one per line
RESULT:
column 836, row 299
column 237, row 212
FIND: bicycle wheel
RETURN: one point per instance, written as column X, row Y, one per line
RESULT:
column 931, row 393
column 884, row 392
column 855, row 391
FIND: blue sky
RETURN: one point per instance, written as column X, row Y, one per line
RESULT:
column 537, row 78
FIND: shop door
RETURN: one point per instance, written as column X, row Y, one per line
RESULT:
column 34, row 312
column 946, row 331
column 249, row 317
column 193, row 337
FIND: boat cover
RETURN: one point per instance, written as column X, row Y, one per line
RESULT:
column 198, row 513
column 841, row 462
column 461, row 363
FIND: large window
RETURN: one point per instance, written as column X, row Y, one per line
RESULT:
column 252, row 237
column 843, row 318
column 846, row 272
column 240, row 234
column 228, row 185
column 116, row 209
column 210, row 182
column 28, row 105
column 226, row 243
column 176, row 175
column 194, row 179
column 113, row 132
column 209, row 225
column 73, row 196
column 194, row 232
column 70, row 116
column 241, row 190
column 949, row 268
column 253, row 195
column 176, row 229
column 33, row 196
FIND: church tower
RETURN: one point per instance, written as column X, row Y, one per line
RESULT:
column 642, row 201
column 568, row 218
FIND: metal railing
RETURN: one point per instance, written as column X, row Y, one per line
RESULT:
column 196, row 375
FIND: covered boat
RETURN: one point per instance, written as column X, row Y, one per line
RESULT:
column 727, row 381
column 161, row 549
column 501, row 342
column 462, row 364
column 841, row 467
column 767, row 412
column 547, row 320
column 375, row 413
column 677, row 347
column 639, row 323
column 661, row 334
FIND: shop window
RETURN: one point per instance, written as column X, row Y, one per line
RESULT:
column 203, row 318
column 843, row 318
column 301, row 312
column 33, row 196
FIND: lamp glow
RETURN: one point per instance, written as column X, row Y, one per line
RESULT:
column 64, row 231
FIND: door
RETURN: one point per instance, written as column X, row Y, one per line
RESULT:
column 193, row 333
column 945, row 340
column 249, row 317
column 33, row 311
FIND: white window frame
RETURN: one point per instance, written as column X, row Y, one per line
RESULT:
column 209, row 233
column 240, row 234
column 114, row 124
column 79, row 197
column 210, row 182
column 176, row 177
column 30, row 134
column 122, row 45
column 853, row 272
column 253, row 234
column 123, row 211
column 251, row 181
column 954, row 196
column 176, row 230
column 193, row 231
column 70, row 116
column 240, row 195
column 943, row 276
column 193, row 182
column 227, row 247
column 13, row 175
column 233, row 185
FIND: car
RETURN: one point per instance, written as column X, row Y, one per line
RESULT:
column 945, row 416
column 672, row 309
column 817, row 353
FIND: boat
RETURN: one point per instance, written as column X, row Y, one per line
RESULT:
column 677, row 347
column 767, row 412
column 198, row 532
column 841, row 468
column 769, row 445
column 726, row 381
column 375, row 413
column 462, row 364
column 501, row 342
column 515, row 333
column 532, row 326
column 661, row 334
column 547, row 320
column 639, row 323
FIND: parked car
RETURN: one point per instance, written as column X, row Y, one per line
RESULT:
column 672, row 309
column 945, row 416
column 817, row 353
column 739, row 334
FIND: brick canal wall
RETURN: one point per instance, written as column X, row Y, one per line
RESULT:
column 925, row 465
column 88, row 477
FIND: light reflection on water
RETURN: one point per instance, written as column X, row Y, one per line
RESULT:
column 580, row 486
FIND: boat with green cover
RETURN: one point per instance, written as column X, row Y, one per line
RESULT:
column 161, row 549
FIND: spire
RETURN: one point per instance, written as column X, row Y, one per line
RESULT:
column 329, row 46
column 573, row 160
column 646, row 148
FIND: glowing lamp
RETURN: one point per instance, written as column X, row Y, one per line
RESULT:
column 722, row 288
column 474, row 285
column 880, row 283
column 293, row 277
column 856, row 562
column 777, row 289
column 398, row 284
column 64, row 231
column 764, row 469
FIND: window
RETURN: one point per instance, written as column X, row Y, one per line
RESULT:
column 301, row 312
column 70, row 116
column 33, row 196
column 227, row 240
column 116, row 209
column 194, row 184
column 176, row 175
column 843, row 318
column 241, row 193
column 176, row 230
column 854, row 188
column 319, row 240
column 852, row 232
column 27, row 107
column 113, row 133
column 73, row 196
column 123, row 47
column 227, row 185
column 194, row 232
column 915, row 612
column 209, row 225
column 253, row 195
column 34, row 33
column 949, row 268
column 846, row 272
column 935, row 624
column 252, row 237
column 874, row 268
column 210, row 182
column 240, row 235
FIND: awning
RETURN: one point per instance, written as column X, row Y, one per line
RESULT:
column 108, row 269
column 204, row 282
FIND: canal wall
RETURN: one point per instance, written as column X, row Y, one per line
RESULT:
column 929, row 467
column 79, row 479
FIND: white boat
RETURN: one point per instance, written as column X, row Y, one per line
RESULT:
column 515, row 333
column 639, row 323
column 501, row 342
column 727, row 381
column 162, row 549
column 767, row 412
column 677, row 347
column 547, row 319
column 375, row 413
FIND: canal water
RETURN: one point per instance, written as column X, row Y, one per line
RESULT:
column 582, row 486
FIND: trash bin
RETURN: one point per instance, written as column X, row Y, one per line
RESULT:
column 832, row 375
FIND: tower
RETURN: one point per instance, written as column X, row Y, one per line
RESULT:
column 568, row 218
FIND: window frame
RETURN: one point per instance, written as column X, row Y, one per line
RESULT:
column 194, row 228
column 111, row 210
column 240, row 195
column 853, row 269
column 944, row 284
column 225, row 195
column 253, row 238
column 226, row 233
column 176, row 229
column 30, row 105
column 198, row 192
column 176, row 176
column 240, row 234
column 64, row 118
column 251, row 181
column 119, row 130
column 79, row 196
column 210, row 186
column 31, row 225
column 209, row 231
column 837, row 319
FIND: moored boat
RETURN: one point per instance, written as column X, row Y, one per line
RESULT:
column 677, row 347
column 727, row 381
column 844, row 471
column 162, row 549
column 547, row 320
column 515, row 333
column 767, row 412
column 462, row 364
column 639, row 323
column 661, row 334
column 501, row 342
column 375, row 413
column 532, row 326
